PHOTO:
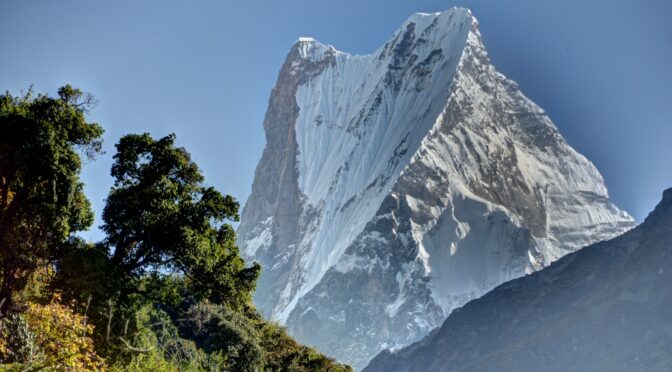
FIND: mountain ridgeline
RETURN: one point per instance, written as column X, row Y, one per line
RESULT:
column 606, row 307
column 397, row 186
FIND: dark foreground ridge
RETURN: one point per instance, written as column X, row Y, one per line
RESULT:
column 606, row 307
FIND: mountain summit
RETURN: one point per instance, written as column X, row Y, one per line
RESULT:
column 397, row 186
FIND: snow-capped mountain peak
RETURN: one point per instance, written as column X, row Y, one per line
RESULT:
column 397, row 185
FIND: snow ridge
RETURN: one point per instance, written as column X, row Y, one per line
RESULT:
column 344, row 156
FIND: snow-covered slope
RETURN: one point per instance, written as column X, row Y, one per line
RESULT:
column 397, row 186
column 603, row 308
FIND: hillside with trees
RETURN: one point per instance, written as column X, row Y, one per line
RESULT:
column 165, row 290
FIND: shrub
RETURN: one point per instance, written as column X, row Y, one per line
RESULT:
column 62, row 338
column 17, row 342
column 217, row 329
column 156, row 345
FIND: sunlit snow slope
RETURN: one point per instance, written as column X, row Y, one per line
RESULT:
column 396, row 186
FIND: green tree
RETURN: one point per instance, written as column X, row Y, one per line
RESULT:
column 41, row 197
column 159, row 217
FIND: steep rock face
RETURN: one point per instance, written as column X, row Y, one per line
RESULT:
column 397, row 186
column 603, row 308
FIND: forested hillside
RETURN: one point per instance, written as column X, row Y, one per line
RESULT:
column 166, row 289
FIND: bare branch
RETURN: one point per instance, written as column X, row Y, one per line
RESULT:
column 109, row 320
column 130, row 347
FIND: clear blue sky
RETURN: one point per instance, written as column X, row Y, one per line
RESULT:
column 205, row 69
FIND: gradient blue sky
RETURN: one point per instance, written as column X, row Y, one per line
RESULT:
column 205, row 69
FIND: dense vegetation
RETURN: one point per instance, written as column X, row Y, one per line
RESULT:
column 166, row 290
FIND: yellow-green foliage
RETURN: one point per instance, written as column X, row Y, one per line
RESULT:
column 55, row 338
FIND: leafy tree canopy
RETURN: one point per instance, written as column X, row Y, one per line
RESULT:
column 160, row 216
column 41, row 197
